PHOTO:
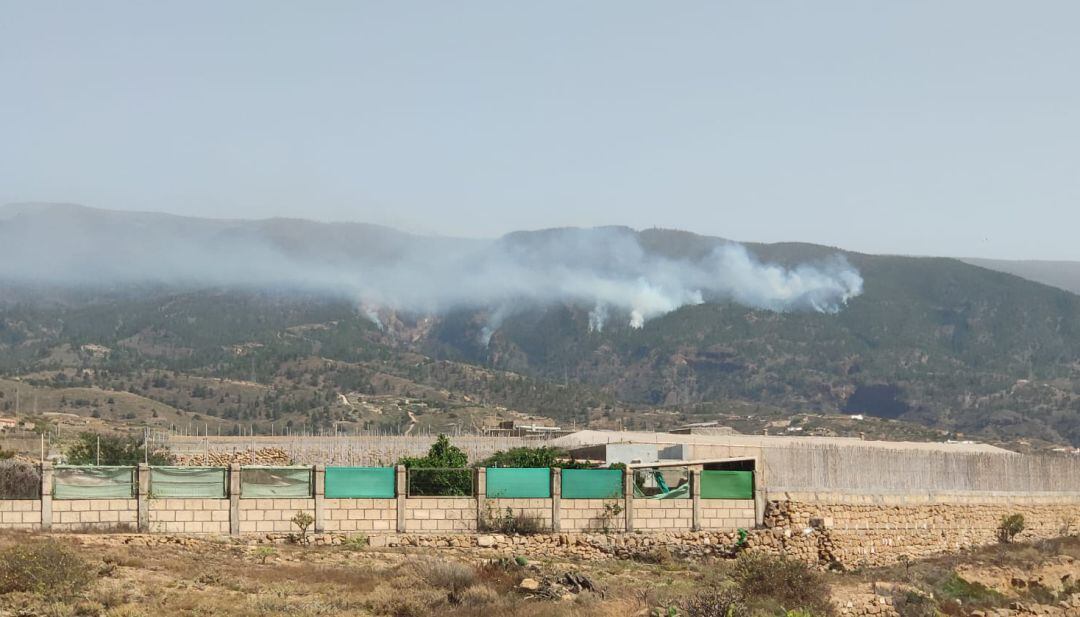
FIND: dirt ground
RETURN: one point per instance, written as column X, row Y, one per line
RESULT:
column 136, row 576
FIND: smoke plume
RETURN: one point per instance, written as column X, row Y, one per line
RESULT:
column 607, row 269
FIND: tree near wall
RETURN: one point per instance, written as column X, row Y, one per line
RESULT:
column 443, row 471
column 114, row 450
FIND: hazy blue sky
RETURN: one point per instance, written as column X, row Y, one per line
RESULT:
column 916, row 127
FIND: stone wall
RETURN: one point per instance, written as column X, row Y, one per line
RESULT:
column 94, row 514
column 664, row 514
column 870, row 530
column 360, row 515
column 189, row 516
column 440, row 514
column 20, row 514
column 272, row 515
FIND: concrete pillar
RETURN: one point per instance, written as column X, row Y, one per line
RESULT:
column 402, row 491
column 234, row 499
column 556, row 499
column 46, row 495
column 628, row 498
column 759, row 501
column 695, row 494
column 320, row 495
column 480, row 478
column 142, row 480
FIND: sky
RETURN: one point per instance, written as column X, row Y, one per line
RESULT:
column 935, row 128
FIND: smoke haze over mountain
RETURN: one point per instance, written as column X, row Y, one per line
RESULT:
column 606, row 269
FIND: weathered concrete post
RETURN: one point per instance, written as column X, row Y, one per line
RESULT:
column 320, row 495
column 234, row 499
column 46, row 495
column 759, row 480
column 628, row 498
column 556, row 499
column 695, row 494
column 481, row 496
column 142, row 479
column 402, row 491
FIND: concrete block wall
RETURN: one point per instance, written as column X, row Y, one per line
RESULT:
column 664, row 514
column 94, row 514
column 22, row 514
column 539, row 508
column 360, row 515
column 189, row 516
column 591, row 515
column 727, row 514
column 272, row 515
column 440, row 514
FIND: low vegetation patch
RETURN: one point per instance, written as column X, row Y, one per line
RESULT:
column 43, row 567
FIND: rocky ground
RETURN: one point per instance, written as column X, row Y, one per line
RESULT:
column 140, row 575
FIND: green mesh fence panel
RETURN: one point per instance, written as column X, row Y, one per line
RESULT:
column 727, row 484
column 200, row 482
column 360, row 483
column 592, row 483
column 258, row 482
column 93, row 482
column 519, row 483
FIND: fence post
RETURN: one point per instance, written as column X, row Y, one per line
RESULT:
column 695, row 494
column 628, row 498
column 142, row 477
column 556, row 499
column 46, row 495
column 234, row 499
column 759, row 500
column 402, row 491
column 320, row 495
column 481, row 495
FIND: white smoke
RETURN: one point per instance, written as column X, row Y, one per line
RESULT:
column 604, row 268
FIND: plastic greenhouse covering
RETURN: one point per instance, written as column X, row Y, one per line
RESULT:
column 93, row 482
column 272, row 482
column 197, row 482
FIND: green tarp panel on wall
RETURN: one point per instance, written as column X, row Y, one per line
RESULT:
column 727, row 484
column 592, row 483
column 93, row 482
column 198, row 482
column 360, row 483
column 518, row 483
column 265, row 482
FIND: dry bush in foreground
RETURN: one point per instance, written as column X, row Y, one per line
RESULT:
column 19, row 480
column 44, row 567
column 782, row 582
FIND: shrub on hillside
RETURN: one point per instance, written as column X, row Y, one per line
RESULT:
column 19, row 480
column 1010, row 527
column 43, row 567
column 783, row 583
column 724, row 602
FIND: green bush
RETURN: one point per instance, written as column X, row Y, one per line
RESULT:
column 1010, row 527
column 442, row 472
column 19, row 480
column 114, row 450
column 780, row 582
column 43, row 567
column 545, row 456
